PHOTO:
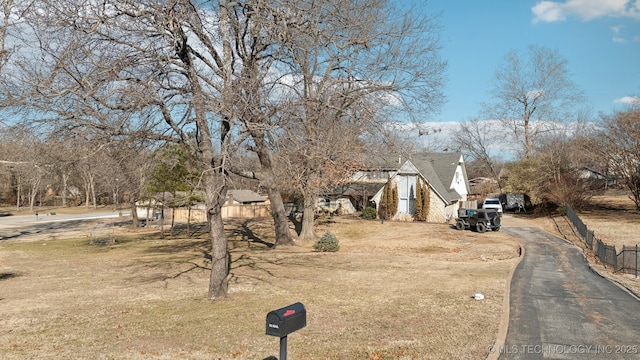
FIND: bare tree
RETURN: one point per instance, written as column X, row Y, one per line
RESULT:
column 559, row 166
column 351, row 65
column 255, row 102
column 59, row 160
column 477, row 139
column 618, row 144
column 316, row 159
column 143, row 70
column 532, row 93
column 6, row 6
column 213, row 75
column 24, row 157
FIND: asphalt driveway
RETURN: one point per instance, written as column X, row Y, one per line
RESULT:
column 561, row 309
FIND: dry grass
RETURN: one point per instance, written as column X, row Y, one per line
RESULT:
column 614, row 219
column 394, row 290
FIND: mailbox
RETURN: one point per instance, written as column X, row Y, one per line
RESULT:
column 286, row 320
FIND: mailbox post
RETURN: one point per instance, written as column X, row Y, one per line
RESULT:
column 284, row 321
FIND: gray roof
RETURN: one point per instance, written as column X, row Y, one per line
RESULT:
column 244, row 196
column 440, row 169
column 385, row 162
column 359, row 189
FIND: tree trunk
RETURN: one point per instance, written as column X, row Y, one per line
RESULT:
column 215, row 178
column 32, row 199
column 65, row 180
column 216, row 193
column 115, row 199
column 87, row 190
column 189, row 220
column 18, row 191
column 134, row 215
column 173, row 220
column 281, row 222
column 92, row 186
column 218, row 283
column 308, row 217
column 528, row 143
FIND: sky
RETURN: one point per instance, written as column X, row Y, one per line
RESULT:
column 600, row 39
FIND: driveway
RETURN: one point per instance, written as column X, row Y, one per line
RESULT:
column 561, row 309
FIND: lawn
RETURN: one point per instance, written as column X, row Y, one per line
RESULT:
column 394, row 290
column 614, row 219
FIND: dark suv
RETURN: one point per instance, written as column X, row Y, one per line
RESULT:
column 478, row 220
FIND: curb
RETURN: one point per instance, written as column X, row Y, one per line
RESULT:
column 501, row 337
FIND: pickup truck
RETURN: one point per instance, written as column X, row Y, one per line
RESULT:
column 478, row 220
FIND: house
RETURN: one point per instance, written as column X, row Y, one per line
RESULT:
column 148, row 209
column 244, row 197
column 596, row 178
column 184, row 206
column 444, row 173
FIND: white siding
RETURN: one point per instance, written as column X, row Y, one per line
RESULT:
column 459, row 182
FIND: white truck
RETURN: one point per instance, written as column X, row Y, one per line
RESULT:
column 492, row 203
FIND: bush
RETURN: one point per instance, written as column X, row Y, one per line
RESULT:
column 369, row 213
column 327, row 242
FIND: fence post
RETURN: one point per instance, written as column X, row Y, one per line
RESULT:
column 636, row 261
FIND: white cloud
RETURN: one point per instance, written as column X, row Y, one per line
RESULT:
column 440, row 136
column 554, row 11
column 616, row 29
column 617, row 38
column 629, row 100
column 547, row 11
column 535, row 94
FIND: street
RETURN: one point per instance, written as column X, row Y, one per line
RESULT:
column 23, row 226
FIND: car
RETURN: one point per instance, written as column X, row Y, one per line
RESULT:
column 492, row 203
column 479, row 220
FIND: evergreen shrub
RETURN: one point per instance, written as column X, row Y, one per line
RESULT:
column 369, row 213
column 327, row 243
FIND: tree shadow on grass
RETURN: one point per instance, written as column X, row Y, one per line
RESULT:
column 237, row 230
column 243, row 233
column 8, row 275
column 249, row 260
column 181, row 230
column 186, row 255
column 181, row 265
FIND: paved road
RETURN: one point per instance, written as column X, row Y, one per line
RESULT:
column 22, row 220
column 23, row 226
column 561, row 309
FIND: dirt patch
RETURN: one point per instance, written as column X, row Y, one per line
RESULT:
column 394, row 290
